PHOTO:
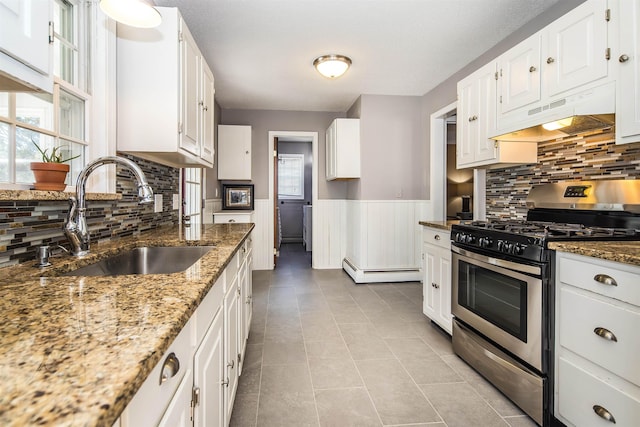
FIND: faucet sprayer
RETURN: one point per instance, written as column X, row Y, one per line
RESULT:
column 75, row 226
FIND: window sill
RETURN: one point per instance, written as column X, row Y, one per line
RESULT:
column 53, row 195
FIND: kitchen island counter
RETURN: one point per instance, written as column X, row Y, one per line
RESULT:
column 75, row 350
column 623, row 252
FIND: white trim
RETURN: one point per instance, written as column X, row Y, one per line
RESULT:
column 382, row 276
column 438, row 156
column 314, row 185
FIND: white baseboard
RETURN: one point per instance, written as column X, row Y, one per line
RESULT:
column 380, row 276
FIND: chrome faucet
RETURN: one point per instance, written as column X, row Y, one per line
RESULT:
column 75, row 226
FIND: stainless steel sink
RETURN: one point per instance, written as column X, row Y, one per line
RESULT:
column 145, row 260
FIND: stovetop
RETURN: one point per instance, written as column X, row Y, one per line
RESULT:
column 554, row 231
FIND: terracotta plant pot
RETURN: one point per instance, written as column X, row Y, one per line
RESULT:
column 49, row 176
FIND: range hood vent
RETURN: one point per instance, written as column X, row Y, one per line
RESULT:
column 587, row 110
column 576, row 125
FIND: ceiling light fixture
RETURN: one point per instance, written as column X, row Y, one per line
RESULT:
column 135, row 13
column 332, row 66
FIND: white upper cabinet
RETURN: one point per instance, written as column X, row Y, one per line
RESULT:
column 519, row 76
column 234, row 152
column 343, row 149
column 476, row 121
column 561, row 71
column 577, row 45
column 165, row 94
column 25, row 48
column 628, row 86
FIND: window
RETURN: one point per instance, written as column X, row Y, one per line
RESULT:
column 51, row 120
column 291, row 176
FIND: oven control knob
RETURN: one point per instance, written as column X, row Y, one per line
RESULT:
column 501, row 245
column 519, row 249
column 485, row 242
column 471, row 239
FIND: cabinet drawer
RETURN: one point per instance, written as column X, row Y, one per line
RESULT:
column 223, row 218
column 208, row 308
column 579, row 392
column 441, row 238
column 589, row 273
column 149, row 404
column 581, row 315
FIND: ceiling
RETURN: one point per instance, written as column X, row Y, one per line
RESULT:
column 261, row 51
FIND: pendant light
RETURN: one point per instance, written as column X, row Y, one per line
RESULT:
column 332, row 66
column 135, row 13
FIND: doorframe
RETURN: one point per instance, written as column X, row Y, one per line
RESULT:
column 438, row 154
column 314, row 184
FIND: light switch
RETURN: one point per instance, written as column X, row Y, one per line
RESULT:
column 157, row 207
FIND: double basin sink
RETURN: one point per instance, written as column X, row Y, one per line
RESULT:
column 145, row 260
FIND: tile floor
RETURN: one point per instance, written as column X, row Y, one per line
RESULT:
column 325, row 352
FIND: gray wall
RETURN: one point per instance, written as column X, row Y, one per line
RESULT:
column 445, row 93
column 392, row 149
column 263, row 121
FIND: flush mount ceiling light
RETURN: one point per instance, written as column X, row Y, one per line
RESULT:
column 332, row 66
column 135, row 13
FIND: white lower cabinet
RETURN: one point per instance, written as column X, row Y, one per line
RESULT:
column 202, row 365
column 436, row 281
column 597, row 375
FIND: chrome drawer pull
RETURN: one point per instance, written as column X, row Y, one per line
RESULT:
column 603, row 413
column 435, row 285
column 170, row 368
column 605, row 280
column 605, row 333
column 437, row 237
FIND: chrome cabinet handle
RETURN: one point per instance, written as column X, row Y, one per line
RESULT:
column 623, row 58
column 605, row 279
column 550, row 60
column 437, row 237
column 435, row 285
column 603, row 413
column 232, row 220
column 225, row 383
column 605, row 333
column 532, row 69
column 473, row 118
column 170, row 368
column 231, row 364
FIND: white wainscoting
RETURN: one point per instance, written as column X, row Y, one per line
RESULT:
column 384, row 239
column 329, row 242
column 262, row 236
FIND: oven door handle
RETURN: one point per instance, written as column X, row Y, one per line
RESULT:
column 523, row 268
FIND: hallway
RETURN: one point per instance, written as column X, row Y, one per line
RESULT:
column 325, row 352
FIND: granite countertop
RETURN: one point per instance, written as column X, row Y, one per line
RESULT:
column 53, row 195
column 443, row 225
column 74, row 350
column 623, row 252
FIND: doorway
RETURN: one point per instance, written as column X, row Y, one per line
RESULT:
column 290, row 198
column 448, row 184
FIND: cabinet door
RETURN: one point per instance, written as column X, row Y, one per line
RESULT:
column 576, row 48
column 330, row 150
column 628, row 84
column 209, row 373
column 346, row 148
column 430, row 273
column 189, row 108
column 466, row 123
column 437, row 285
column 178, row 413
column 231, row 345
column 207, row 109
column 242, row 313
column 444, row 281
column 24, row 33
column 520, row 75
column 234, row 152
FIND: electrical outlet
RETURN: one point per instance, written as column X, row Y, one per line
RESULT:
column 176, row 202
column 157, row 206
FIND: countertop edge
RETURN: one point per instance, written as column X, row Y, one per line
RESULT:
column 622, row 252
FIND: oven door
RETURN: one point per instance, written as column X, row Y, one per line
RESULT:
column 500, row 299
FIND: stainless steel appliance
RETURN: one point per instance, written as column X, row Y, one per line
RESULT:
column 503, row 282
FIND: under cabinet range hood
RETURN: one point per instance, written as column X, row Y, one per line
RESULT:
column 586, row 111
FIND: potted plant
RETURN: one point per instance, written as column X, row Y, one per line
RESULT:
column 51, row 173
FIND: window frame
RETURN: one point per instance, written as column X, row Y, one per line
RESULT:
column 300, row 160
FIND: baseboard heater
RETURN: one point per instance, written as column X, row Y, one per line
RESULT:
column 380, row 275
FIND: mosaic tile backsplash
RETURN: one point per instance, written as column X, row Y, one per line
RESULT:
column 25, row 225
column 593, row 157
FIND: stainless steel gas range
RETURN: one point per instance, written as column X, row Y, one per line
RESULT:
column 503, row 282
